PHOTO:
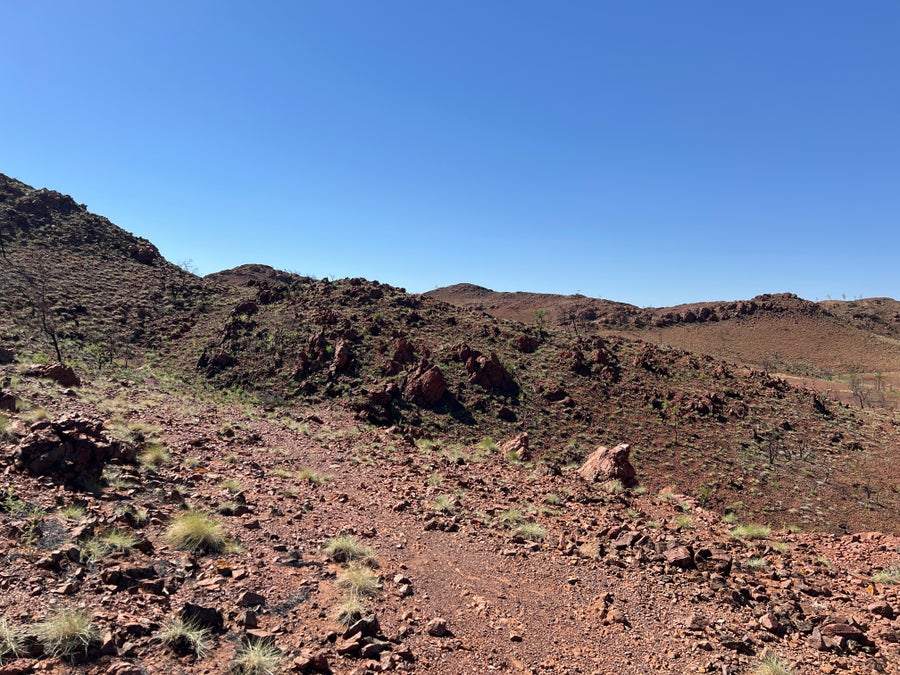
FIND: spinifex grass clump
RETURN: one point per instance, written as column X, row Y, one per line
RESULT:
column 68, row 633
column 345, row 549
column 186, row 637
column 196, row 532
column 258, row 657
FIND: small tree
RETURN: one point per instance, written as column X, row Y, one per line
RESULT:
column 540, row 318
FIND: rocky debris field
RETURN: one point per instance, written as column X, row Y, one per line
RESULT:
column 206, row 535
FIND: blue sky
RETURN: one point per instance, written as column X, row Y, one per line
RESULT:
column 651, row 152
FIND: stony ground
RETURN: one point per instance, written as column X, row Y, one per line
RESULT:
column 483, row 561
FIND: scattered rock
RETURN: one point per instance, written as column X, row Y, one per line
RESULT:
column 604, row 464
column 437, row 627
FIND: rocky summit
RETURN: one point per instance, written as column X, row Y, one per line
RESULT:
column 260, row 472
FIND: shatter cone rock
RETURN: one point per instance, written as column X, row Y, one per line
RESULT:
column 604, row 464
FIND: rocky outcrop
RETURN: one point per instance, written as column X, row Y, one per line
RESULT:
column 426, row 386
column 609, row 464
column 71, row 450
column 59, row 373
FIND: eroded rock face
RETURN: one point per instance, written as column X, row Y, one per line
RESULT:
column 59, row 373
column 71, row 450
column 426, row 386
column 609, row 464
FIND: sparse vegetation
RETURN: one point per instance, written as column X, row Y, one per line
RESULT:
column 67, row 633
column 444, row 504
column 311, row 476
column 771, row 664
column 196, row 532
column 154, row 456
column 756, row 563
column 349, row 611
column 104, row 543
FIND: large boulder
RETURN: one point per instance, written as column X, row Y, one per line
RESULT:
column 59, row 373
column 72, row 450
column 609, row 464
column 426, row 386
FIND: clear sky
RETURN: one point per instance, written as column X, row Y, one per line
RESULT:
column 647, row 151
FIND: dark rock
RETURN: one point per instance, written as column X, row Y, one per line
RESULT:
column 526, row 343
column 7, row 401
column 6, row 356
column 488, row 372
column 71, row 450
column 680, row 556
column 204, row 617
column 437, row 627
column 251, row 599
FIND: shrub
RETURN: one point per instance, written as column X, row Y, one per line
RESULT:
column 685, row 522
column 359, row 581
column 196, row 532
column 67, row 633
column 613, row 487
column 256, row 658
column 345, row 549
column 756, row 563
column 751, row 531
column 186, row 637
column 312, row 477
column 511, row 516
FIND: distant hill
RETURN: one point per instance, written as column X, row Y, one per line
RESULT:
column 779, row 332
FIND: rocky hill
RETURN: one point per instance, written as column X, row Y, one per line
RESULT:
column 339, row 475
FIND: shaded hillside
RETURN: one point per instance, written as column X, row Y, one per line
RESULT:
column 74, row 277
